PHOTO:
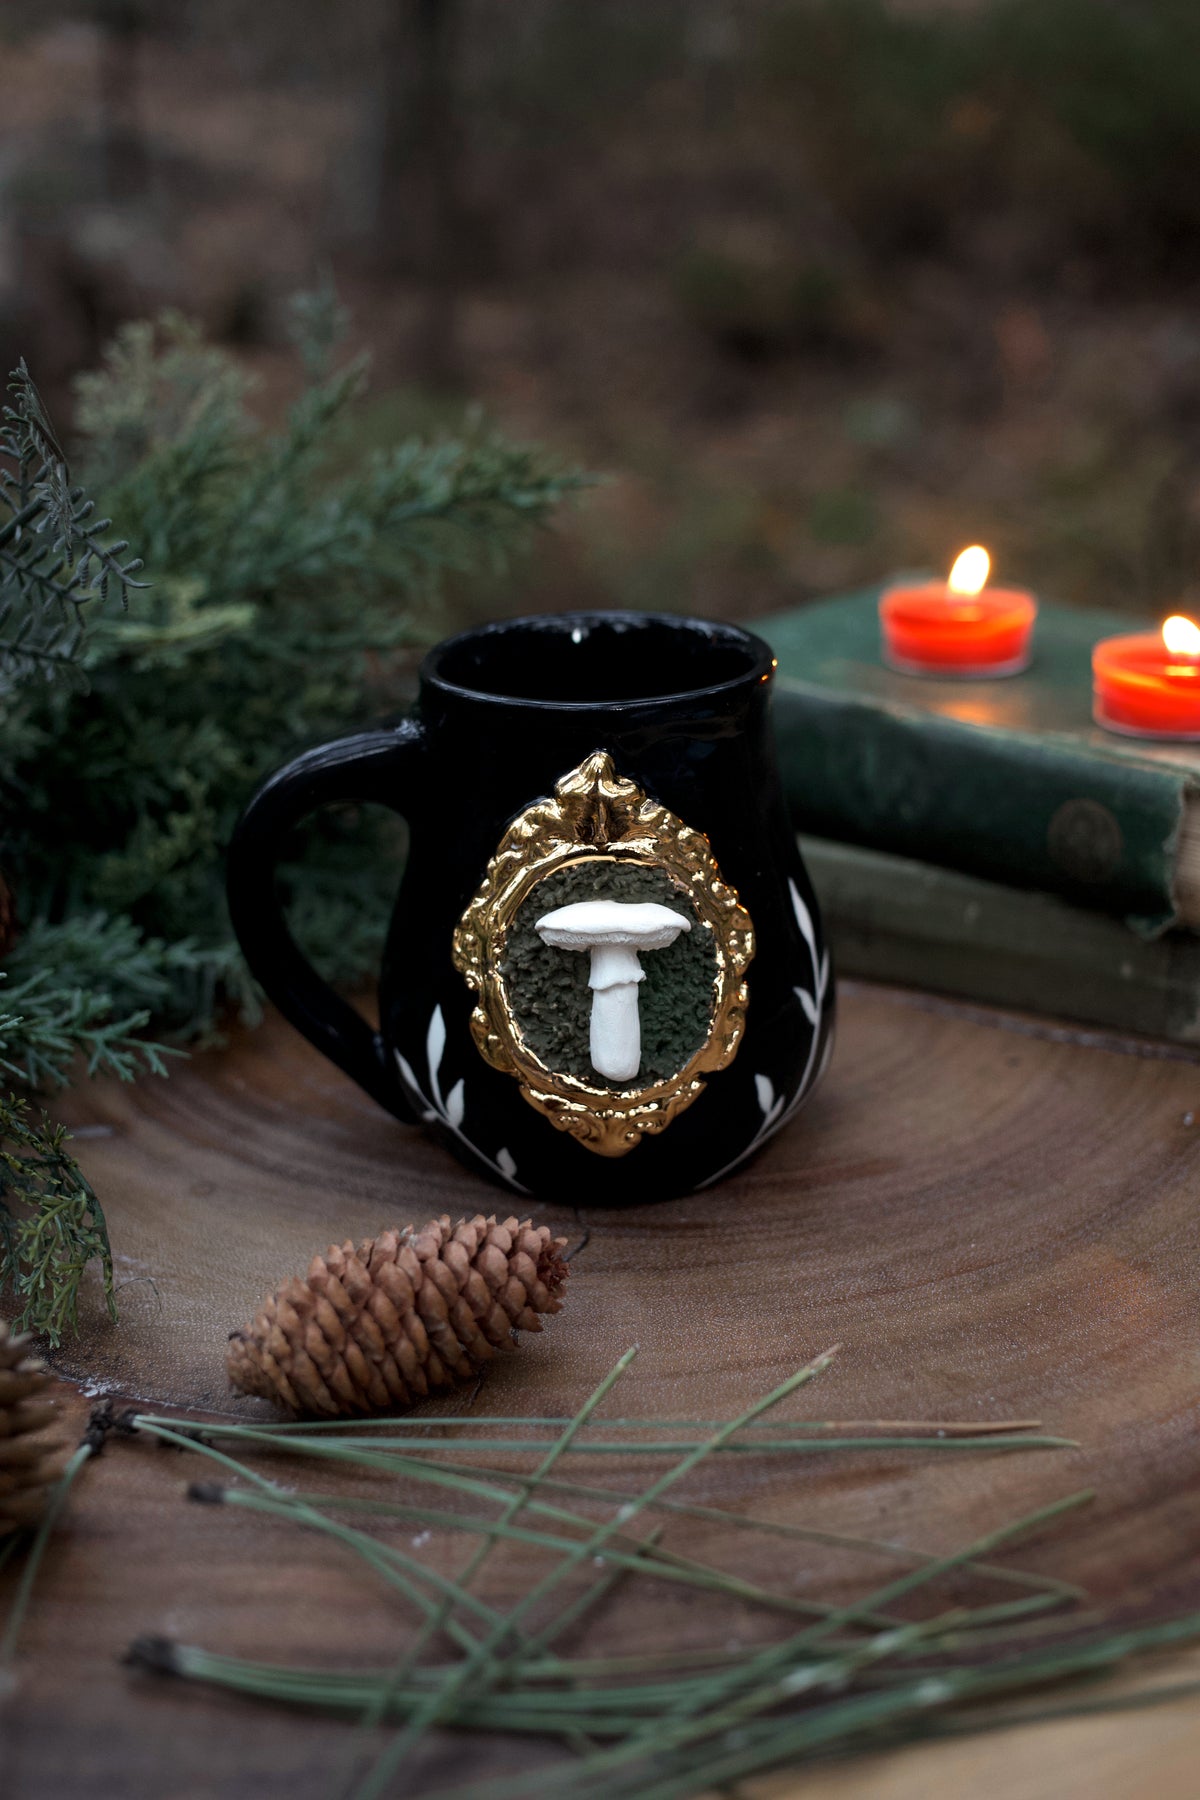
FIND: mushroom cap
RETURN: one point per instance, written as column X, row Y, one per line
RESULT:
column 642, row 925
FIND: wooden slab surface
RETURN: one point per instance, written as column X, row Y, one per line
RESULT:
column 995, row 1220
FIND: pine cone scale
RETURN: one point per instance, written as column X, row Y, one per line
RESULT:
column 15, row 1385
column 402, row 1315
column 30, row 1462
column 33, row 1416
column 409, row 1363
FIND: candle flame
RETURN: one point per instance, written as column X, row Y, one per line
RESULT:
column 970, row 572
column 1181, row 636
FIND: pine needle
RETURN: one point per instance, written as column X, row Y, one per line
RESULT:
column 33, row 1559
column 646, row 1726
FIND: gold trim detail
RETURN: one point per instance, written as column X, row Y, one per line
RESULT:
column 595, row 813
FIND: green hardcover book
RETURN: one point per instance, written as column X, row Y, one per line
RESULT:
column 1006, row 779
column 891, row 919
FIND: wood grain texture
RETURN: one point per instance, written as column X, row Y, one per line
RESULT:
column 995, row 1220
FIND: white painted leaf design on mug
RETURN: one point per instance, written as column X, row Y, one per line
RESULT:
column 776, row 1113
column 809, row 1004
column 451, row 1111
column 820, row 964
column 435, row 1044
column 803, row 919
column 406, row 1070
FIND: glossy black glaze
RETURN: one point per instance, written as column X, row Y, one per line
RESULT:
column 682, row 706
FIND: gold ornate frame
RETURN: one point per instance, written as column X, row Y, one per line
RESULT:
column 595, row 813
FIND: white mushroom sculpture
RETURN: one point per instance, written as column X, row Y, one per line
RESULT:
column 614, row 931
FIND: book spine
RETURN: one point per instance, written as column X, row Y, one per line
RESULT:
column 1032, row 812
column 893, row 920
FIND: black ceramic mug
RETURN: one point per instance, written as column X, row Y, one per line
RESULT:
column 605, row 978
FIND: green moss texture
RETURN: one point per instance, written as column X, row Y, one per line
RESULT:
column 548, row 989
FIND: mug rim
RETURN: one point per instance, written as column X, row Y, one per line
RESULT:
column 761, row 667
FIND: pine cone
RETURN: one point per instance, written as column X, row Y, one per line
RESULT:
column 405, row 1314
column 29, row 1462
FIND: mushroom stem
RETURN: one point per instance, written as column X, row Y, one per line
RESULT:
column 615, row 1029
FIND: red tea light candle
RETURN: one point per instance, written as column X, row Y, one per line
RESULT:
column 960, row 627
column 1148, row 685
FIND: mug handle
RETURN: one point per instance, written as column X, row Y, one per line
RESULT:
column 370, row 766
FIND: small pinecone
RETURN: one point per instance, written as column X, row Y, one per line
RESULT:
column 406, row 1313
column 29, row 1462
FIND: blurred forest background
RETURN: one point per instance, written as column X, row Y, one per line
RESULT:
column 827, row 287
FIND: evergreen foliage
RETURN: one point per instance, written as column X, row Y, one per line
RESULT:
column 53, row 553
column 51, row 1223
column 287, row 581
